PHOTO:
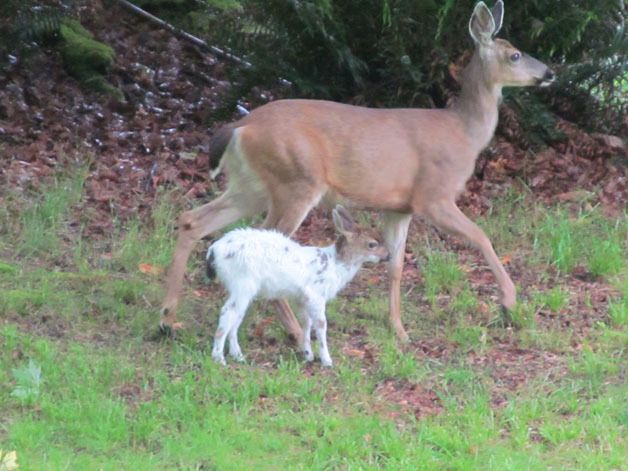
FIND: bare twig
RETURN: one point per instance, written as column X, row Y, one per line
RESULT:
column 183, row 34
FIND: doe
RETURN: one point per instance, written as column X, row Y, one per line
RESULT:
column 253, row 263
column 289, row 156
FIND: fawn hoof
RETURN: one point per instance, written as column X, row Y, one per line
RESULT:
column 220, row 359
column 238, row 357
column 308, row 355
column 327, row 363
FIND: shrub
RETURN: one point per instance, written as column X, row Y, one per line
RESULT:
column 397, row 52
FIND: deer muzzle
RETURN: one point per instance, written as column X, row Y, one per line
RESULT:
column 547, row 79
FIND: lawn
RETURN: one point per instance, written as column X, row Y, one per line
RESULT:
column 87, row 383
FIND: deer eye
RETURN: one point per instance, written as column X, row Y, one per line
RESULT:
column 373, row 244
column 515, row 57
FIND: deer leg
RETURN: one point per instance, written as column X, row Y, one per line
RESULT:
column 194, row 225
column 449, row 218
column 395, row 233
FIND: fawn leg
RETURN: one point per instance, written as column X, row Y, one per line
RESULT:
column 231, row 315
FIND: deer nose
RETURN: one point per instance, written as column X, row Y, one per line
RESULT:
column 549, row 75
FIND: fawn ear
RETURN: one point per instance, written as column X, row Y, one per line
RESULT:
column 482, row 25
column 343, row 221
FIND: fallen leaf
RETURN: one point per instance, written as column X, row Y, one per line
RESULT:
column 188, row 155
column 373, row 280
column 354, row 352
column 149, row 269
column 261, row 327
column 8, row 461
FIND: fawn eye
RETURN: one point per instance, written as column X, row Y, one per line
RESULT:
column 515, row 57
column 373, row 244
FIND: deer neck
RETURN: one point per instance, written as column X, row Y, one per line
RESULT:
column 478, row 103
column 339, row 272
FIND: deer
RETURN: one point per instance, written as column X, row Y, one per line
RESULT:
column 289, row 156
column 255, row 263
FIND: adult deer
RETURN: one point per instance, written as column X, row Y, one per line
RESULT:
column 290, row 155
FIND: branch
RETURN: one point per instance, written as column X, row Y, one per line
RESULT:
column 184, row 35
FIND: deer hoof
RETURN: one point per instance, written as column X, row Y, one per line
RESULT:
column 402, row 335
column 506, row 316
column 169, row 330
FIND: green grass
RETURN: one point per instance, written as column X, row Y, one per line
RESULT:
column 560, row 237
column 587, row 239
column 618, row 312
column 85, row 385
column 555, row 299
column 43, row 218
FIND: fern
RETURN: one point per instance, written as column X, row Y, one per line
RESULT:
column 33, row 21
column 39, row 23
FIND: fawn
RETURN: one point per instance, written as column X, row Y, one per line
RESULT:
column 254, row 263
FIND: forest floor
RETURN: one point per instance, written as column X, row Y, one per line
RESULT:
column 89, row 193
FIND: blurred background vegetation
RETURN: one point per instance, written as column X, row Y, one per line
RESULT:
column 388, row 52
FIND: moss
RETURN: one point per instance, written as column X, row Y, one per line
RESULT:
column 78, row 28
column 86, row 59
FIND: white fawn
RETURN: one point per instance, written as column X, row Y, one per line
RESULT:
column 253, row 263
column 290, row 155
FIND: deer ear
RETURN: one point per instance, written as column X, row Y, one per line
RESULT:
column 343, row 221
column 482, row 24
column 498, row 16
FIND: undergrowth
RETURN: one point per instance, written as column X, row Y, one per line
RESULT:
column 86, row 384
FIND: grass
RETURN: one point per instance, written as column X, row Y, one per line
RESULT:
column 554, row 299
column 560, row 237
column 586, row 239
column 42, row 220
column 85, row 385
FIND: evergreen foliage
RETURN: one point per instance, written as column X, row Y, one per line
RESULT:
column 23, row 21
column 397, row 52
